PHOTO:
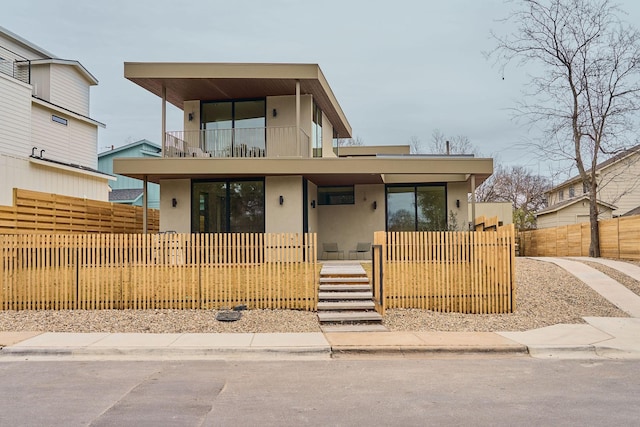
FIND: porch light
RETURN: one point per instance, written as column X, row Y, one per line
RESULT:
column 375, row 205
column 313, row 204
column 281, row 200
column 190, row 117
column 458, row 204
column 274, row 113
column 174, row 202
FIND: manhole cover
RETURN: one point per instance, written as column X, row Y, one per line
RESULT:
column 228, row 316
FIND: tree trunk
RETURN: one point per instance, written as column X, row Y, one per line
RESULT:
column 594, row 247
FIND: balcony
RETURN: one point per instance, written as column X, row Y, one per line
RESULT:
column 226, row 143
column 15, row 66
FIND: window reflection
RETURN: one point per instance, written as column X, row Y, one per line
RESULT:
column 416, row 208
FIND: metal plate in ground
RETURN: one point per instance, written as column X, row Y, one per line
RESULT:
column 228, row 316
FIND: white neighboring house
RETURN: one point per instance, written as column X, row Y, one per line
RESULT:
column 48, row 142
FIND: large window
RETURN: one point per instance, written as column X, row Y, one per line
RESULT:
column 416, row 207
column 316, row 131
column 234, row 128
column 227, row 206
column 341, row 195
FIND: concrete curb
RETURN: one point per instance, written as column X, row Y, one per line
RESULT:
column 434, row 350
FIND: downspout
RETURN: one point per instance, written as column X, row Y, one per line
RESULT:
column 298, row 114
column 144, row 206
column 473, row 203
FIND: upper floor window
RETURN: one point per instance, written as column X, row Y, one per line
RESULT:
column 316, row 131
column 234, row 128
column 572, row 192
column 561, row 195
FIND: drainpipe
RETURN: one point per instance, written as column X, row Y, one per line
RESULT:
column 473, row 203
column 144, row 206
column 298, row 114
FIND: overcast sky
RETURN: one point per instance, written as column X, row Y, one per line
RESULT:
column 398, row 68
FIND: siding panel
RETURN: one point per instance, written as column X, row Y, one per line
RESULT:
column 69, row 89
column 15, row 117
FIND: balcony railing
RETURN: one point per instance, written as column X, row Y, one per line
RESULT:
column 15, row 65
column 223, row 143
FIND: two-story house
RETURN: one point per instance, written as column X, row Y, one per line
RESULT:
column 48, row 141
column 618, row 192
column 125, row 190
column 257, row 154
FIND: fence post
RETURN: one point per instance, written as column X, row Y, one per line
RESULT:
column 377, row 277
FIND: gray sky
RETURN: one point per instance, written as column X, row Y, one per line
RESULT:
column 398, row 68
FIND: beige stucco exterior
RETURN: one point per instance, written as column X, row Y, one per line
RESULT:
column 349, row 224
column 502, row 210
column 285, row 218
column 177, row 218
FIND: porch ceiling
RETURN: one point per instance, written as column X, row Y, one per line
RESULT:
column 223, row 81
column 325, row 171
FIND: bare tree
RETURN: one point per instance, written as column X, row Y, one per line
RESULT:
column 518, row 186
column 459, row 144
column 585, row 89
column 415, row 144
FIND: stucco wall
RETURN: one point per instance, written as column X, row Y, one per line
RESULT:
column 457, row 191
column 176, row 219
column 312, row 196
column 349, row 224
column 285, row 218
column 502, row 210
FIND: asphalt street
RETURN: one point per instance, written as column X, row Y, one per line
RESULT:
column 350, row 392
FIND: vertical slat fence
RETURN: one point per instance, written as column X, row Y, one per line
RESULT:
column 158, row 271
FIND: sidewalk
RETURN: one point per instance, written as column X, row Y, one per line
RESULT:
column 610, row 338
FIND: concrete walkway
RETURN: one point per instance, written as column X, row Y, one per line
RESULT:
column 605, row 338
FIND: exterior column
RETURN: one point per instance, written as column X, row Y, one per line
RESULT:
column 144, row 206
column 298, row 114
column 164, row 118
column 473, row 203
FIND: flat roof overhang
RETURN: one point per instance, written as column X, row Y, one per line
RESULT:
column 226, row 81
column 323, row 171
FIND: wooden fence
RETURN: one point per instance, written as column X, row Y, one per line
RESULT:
column 35, row 212
column 158, row 271
column 619, row 239
column 466, row 272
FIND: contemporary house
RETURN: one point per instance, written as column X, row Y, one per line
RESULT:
column 127, row 190
column 618, row 192
column 258, row 153
column 48, row 141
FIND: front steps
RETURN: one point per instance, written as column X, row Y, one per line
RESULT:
column 345, row 299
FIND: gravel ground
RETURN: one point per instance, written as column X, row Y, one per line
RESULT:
column 545, row 295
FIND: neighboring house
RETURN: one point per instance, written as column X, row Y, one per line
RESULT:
column 127, row 190
column 257, row 155
column 48, row 141
column 618, row 192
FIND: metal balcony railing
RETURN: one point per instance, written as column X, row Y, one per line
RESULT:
column 15, row 65
column 225, row 143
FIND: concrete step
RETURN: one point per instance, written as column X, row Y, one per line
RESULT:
column 367, row 327
column 354, row 279
column 345, row 296
column 349, row 316
column 345, row 288
column 347, row 305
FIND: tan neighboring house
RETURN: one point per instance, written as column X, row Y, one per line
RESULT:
column 618, row 193
column 258, row 153
column 48, row 141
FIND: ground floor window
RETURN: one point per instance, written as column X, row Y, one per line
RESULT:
column 227, row 206
column 416, row 207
